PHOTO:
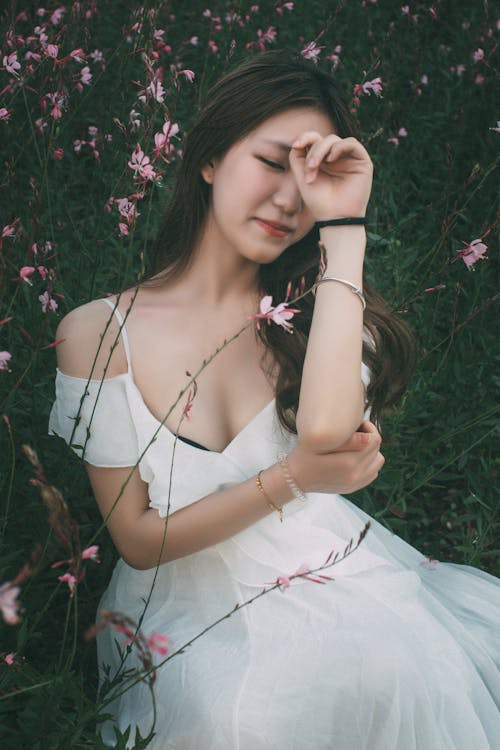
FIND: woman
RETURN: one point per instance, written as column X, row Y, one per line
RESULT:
column 392, row 654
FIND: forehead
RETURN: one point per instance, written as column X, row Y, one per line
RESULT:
column 283, row 129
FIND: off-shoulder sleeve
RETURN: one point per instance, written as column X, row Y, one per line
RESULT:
column 95, row 420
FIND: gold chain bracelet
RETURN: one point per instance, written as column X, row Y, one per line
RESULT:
column 268, row 499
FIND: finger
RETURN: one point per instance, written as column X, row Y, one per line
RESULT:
column 348, row 147
column 302, row 145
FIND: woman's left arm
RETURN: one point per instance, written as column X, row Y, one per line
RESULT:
column 331, row 402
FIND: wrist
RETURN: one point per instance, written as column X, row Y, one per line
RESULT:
column 276, row 484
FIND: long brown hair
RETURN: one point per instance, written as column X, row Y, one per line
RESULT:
column 257, row 89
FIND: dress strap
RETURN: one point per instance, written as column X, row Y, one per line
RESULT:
column 123, row 330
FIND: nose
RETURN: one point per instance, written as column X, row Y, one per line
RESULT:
column 287, row 195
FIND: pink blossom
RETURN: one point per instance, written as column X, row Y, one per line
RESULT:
column 58, row 153
column 194, row 41
column 477, row 55
column 9, row 606
column 283, row 582
column 5, row 358
column 162, row 140
column 311, row 51
column 157, row 643
column 97, row 56
column 156, row 89
column 474, row 251
column 8, row 230
column 188, row 73
column 497, row 129
column 71, row 580
column 123, row 228
column 85, row 76
column 47, row 302
column 424, row 80
column 9, row 658
column 57, row 15
column 52, row 50
column 402, row 132
column 25, row 272
column 212, row 46
column 269, row 35
column 10, row 63
column 78, row 55
column 375, row 85
column 140, row 163
column 280, row 8
column 42, row 271
column 4, row 114
column 280, row 314
column 91, row 553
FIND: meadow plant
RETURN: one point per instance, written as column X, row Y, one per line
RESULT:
column 95, row 99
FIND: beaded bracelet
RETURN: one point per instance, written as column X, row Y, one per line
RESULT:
column 268, row 499
column 297, row 492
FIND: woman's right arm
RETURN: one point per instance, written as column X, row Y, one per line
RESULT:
column 137, row 530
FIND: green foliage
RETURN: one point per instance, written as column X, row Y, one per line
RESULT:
column 434, row 192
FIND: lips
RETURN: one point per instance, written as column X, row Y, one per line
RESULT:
column 274, row 228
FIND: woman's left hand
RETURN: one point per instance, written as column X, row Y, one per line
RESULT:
column 334, row 175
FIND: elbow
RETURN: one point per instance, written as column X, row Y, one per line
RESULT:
column 321, row 437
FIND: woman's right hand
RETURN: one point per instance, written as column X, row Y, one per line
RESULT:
column 353, row 465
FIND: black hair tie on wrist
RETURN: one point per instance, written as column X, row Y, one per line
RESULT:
column 340, row 222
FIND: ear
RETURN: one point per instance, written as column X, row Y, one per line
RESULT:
column 207, row 171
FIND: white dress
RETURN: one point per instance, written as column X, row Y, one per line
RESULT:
column 395, row 653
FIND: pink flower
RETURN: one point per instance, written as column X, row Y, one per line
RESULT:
column 5, row 358
column 57, row 15
column 188, row 73
column 85, row 76
column 477, row 55
column 10, row 63
column 162, row 140
column 25, row 273
column 157, row 643
column 58, row 153
column 91, row 553
column 97, row 56
column 78, row 55
column 311, row 51
column 280, row 314
column 140, row 163
column 8, row 230
column 283, row 582
column 9, row 606
column 156, row 89
column 71, row 580
column 472, row 252
column 495, row 130
column 375, row 85
column 47, row 302
column 4, row 114
column 9, row 658
column 52, row 50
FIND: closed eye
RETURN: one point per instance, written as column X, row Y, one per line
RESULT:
column 272, row 164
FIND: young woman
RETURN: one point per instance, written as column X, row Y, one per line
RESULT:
column 394, row 653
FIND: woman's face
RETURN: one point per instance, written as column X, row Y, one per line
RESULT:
column 256, row 207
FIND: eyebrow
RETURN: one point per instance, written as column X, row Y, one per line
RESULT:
column 283, row 146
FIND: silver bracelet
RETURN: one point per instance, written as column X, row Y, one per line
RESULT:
column 354, row 289
column 297, row 492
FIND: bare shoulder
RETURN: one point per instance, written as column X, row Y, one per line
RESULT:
column 90, row 336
